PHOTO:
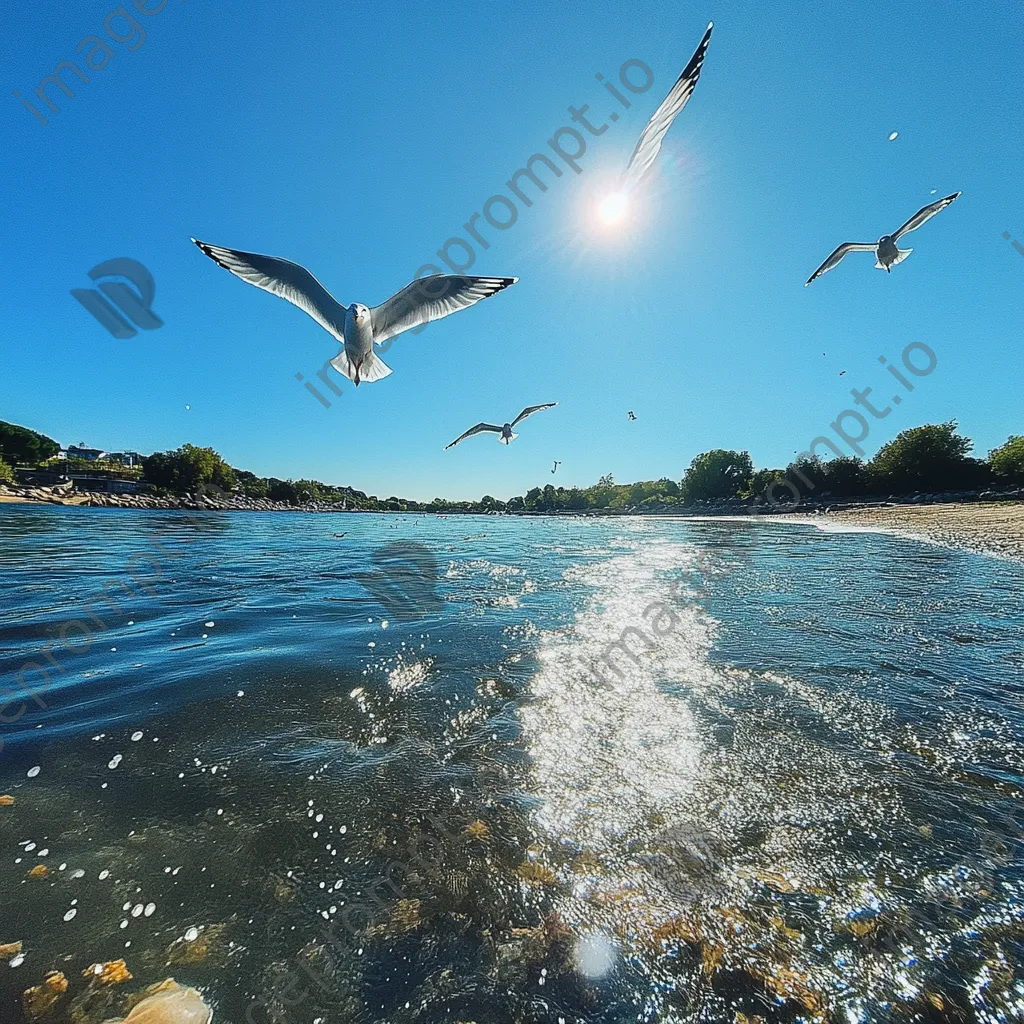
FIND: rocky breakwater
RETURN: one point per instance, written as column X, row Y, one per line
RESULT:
column 64, row 494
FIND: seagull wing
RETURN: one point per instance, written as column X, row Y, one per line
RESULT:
column 649, row 144
column 478, row 429
column 431, row 298
column 283, row 278
column 925, row 213
column 834, row 259
column 530, row 410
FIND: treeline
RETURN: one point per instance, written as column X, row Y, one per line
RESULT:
column 930, row 459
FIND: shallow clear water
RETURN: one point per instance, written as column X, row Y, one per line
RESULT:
column 795, row 792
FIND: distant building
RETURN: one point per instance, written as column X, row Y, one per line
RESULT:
column 126, row 458
column 88, row 454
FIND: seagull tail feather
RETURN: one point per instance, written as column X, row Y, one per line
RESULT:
column 901, row 255
column 374, row 369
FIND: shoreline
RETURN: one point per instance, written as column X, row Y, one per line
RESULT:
column 987, row 528
column 987, row 523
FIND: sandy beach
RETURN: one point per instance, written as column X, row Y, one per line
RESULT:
column 995, row 528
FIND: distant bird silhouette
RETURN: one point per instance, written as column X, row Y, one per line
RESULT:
column 555, row 466
column 507, row 437
column 340, row 534
column 842, row 373
column 887, row 253
column 632, row 415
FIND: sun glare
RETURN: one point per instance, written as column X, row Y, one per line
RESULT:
column 613, row 208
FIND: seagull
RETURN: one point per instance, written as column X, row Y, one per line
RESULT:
column 357, row 326
column 507, row 437
column 632, row 415
column 555, row 466
column 885, row 249
column 842, row 373
column 649, row 144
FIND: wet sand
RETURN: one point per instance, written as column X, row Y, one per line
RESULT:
column 995, row 528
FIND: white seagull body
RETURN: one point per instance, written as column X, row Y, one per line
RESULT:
column 358, row 327
column 504, row 432
column 887, row 252
column 649, row 144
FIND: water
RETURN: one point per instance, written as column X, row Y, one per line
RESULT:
column 794, row 794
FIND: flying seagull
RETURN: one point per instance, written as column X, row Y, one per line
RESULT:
column 555, row 466
column 507, row 437
column 649, row 144
column 887, row 253
column 632, row 415
column 357, row 326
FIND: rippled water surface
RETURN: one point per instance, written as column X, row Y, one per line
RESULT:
column 623, row 770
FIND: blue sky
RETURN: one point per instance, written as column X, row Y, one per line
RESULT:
column 357, row 138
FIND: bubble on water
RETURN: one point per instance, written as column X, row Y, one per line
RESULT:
column 70, row 914
column 595, row 955
column 43, row 853
column 209, row 625
column 136, row 736
column 205, row 635
column 319, row 818
column 192, row 934
column 371, row 644
column 241, row 693
column 124, row 923
column 127, row 906
column 115, row 761
column 33, row 772
column 29, row 847
column 150, row 909
column 893, row 135
column 17, row 961
column 383, row 623
column 137, row 910
column 104, row 874
column 62, row 867
column 77, row 873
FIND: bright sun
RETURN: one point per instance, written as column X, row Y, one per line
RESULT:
column 613, row 208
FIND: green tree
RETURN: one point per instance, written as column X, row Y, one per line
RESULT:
column 188, row 468
column 716, row 475
column 845, row 476
column 762, row 481
column 1007, row 461
column 930, row 458
column 19, row 444
column 6, row 473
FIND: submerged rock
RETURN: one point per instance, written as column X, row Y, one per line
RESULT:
column 38, row 1001
column 113, row 973
column 168, row 1003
